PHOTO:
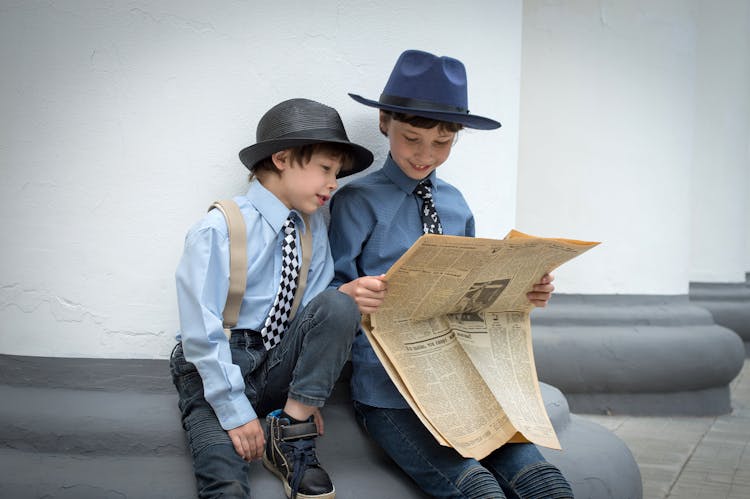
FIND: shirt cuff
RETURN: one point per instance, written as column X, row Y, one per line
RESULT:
column 235, row 413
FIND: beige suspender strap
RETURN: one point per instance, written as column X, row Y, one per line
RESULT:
column 237, row 261
column 306, row 239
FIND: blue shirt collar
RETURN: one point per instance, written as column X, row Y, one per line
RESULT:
column 273, row 211
column 399, row 178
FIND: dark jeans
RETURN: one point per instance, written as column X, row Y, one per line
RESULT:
column 512, row 471
column 304, row 367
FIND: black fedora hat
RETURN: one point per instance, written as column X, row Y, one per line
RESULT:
column 300, row 122
column 423, row 84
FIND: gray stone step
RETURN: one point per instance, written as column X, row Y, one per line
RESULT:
column 72, row 428
column 88, row 422
column 637, row 355
column 729, row 304
column 30, row 474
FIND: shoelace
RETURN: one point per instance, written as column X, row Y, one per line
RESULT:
column 303, row 457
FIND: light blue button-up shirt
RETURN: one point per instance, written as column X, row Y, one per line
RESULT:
column 203, row 281
column 374, row 220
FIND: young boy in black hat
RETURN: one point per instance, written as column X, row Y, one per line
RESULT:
column 374, row 220
column 268, row 363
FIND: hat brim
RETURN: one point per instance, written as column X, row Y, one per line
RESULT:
column 252, row 155
column 467, row 120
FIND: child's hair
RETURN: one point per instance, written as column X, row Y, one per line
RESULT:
column 302, row 154
column 421, row 122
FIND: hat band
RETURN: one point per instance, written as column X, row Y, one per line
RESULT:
column 323, row 134
column 423, row 105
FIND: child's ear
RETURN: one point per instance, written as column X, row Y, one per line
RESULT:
column 384, row 122
column 281, row 159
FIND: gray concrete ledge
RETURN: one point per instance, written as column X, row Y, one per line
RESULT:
column 729, row 304
column 112, row 375
column 638, row 355
column 101, row 428
column 686, row 403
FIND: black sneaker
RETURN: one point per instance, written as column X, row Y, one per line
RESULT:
column 290, row 455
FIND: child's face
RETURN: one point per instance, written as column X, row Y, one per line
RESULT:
column 307, row 187
column 417, row 151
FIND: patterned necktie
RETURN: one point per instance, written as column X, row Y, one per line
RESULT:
column 278, row 317
column 430, row 220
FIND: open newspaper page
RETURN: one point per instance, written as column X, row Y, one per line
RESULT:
column 399, row 382
column 454, row 335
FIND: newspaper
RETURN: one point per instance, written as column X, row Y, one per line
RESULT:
column 454, row 336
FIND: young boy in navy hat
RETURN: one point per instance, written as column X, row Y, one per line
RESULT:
column 268, row 363
column 374, row 220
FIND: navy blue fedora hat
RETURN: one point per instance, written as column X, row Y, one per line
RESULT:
column 300, row 122
column 423, row 84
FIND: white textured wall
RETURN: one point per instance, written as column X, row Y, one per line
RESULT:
column 721, row 162
column 606, row 139
column 121, row 122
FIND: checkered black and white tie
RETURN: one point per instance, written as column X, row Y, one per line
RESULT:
column 430, row 220
column 278, row 317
